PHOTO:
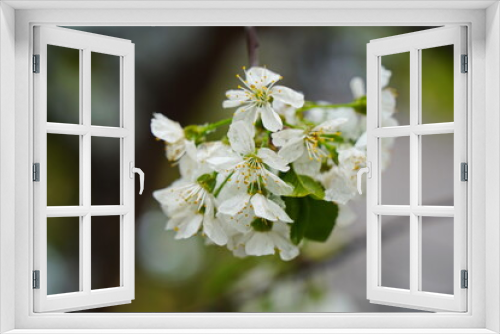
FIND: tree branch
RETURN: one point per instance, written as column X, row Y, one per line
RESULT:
column 252, row 46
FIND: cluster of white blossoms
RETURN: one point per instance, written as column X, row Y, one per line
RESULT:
column 283, row 161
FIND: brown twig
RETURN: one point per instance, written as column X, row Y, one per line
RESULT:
column 252, row 46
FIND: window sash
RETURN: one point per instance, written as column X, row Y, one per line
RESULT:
column 414, row 298
column 86, row 43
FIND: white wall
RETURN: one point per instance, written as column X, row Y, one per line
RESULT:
column 7, row 165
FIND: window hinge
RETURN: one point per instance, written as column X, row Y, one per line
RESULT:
column 465, row 64
column 36, row 63
column 36, row 172
column 464, row 172
column 36, row 279
column 465, row 279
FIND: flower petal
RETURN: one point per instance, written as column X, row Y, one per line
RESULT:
column 247, row 113
column 270, row 119
column 235, row 98
column 287, row 95
column 224, row 163
column 235, row 204
column 385, row 77
column 276, row 185
column 353, row 127
column 281, row 239
column 189, row 226
column 164, row 128
column 306, row 166
column 267, row 209
column 272, row 159
column 292, row 150
column 260, row 77
column 213, row 229
column 176, row 150
column 339, row 186
column 232, row 103
column 330, row 126
column 357, row 87
column 280, row 138
column 361, row 142
column 260, row 243
column 188, row 167
column 388, row 103
column 241, row 136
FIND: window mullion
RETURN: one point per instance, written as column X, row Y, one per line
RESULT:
column 414, row 170
column 85, row 165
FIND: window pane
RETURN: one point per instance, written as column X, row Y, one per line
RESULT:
column 395, row 251
column 105, row 89
column 395, row 82
column 63, row 170
column 63, row 255
column 63, row 85
column 395, row 167
column 105, row 251
column 437, row 84
column 437, row 254
column 105, row 171
column 437, row 169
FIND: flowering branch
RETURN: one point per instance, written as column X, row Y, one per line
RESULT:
column 281, row 174
column 359, row 105
column 252, row 46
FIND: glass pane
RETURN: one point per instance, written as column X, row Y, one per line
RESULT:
column 437, row 254
column 105, row 89
column 395, row 89
column 437, row 84
column 105, row 238
column 395, row 251
column 63, row 255
column 105, row 171
column 437, row 169
column 63, row 85
column 63, row 170
column 395, row 167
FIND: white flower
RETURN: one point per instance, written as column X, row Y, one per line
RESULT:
column 172, row 133
column 194, row 163
column 386, row 145
column 245, row 167
column 295, row 142
column 241, row 209
column 340, row 181
column 268, row 239
column 338, row 184
column 352, row 160
column 257, row 95
column 350, row 129
column 303, row 147
column 388, row 96
column 189, row 207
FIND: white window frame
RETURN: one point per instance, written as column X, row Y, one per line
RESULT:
column 414, row 44
column 86, row 44
column 16, row 21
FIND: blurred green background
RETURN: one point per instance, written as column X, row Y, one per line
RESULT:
column 183, row 72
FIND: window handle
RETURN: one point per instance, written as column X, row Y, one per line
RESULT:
column 141, row 175
column 361, row 171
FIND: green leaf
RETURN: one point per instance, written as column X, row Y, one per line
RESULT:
column 294, row 210
column 303, row 185
column 313, row 219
